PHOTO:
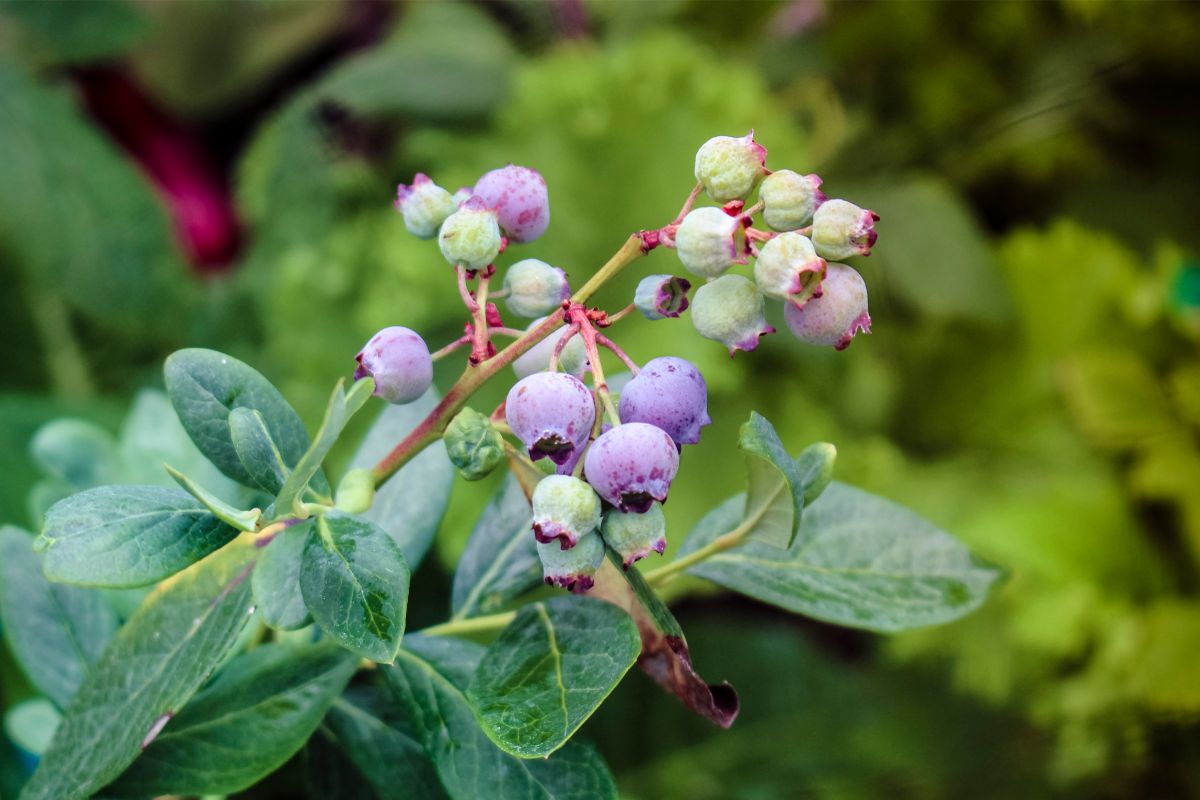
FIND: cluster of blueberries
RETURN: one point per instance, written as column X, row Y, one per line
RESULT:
column 610, row 478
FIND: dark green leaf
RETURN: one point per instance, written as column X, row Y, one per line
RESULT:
column 205, row 386
column 501, row 560
column 78, row 31
column 355, row 583
column 152, row 667
column 411, row 504
column 123, row 536
column 428, row 679
column 254, row 448
column 276, row 578
column 860, row 561
column 56, row 632
column 775, row 493
column 260, row 710
column 549, row 670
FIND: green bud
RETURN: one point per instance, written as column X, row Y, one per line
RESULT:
column 788, row 268
column 729, row 310
column 564, row 510
column 634, row 536
column 790, row 199
column 470, row 237
column 730, row 167
column 573, row 569
column 535, row 288
column 424, row 205
column 473, row 444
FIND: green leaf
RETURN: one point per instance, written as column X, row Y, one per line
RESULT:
column 501, row 560
column 365, row 725
column 860, row 561
column 205, row 386
column 81, row 454
column 258, row 712
column 355, row 583
column 1116, row 398
column 410, row 506
column 122, row 536
column 56, row 632
column 79, row 31
column 254, row 448
column 241, row 520
column 152, row 667
column 276, row 578
column 428, row 679
column 549, row 670
column 814, row 468
column 342, row 406
column 775, row 493
column 31, row 724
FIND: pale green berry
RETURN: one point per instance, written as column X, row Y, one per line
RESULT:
column 730, row 311
column 470, row 237
column 837, row 315
column 709, row 241
column 572, row 360
column 573, row 569
column 424, row 205
column 842, row 229
column 535, row 288
column 730, row 167
column 634, row 536
column 790, row 199
column 788, row 268
column 473, row 444
column 661, row 296
column 564, row 509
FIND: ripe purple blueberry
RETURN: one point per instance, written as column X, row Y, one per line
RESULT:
column 424, row 206
column 790, row 199
column 632, row 465
column 788, row 268
column 399, row 362
column 729, row 310
column 553, row 414
column 535, row 288
column 842, row 229
column 837, row 315
column 573, row 569
column 709, row 241
column 518, row 194
column 730, row 167
column 565, row 510
column 635, row 536
column 670, row 394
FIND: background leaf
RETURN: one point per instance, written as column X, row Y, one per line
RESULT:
column 276, row 578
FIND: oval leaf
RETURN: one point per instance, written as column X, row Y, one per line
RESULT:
column 549, row 670
column 255, row 449
column 123, row 536
column 355, row 583
column 276, row 579
column 775, row 492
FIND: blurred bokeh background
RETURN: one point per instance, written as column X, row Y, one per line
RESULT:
column 221, row 173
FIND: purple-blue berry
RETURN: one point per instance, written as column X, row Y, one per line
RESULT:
column 842, row 229
column 552, row 413
column 632, row 465
column 424, row 206
column 709, row 241
column 635, row 536
column 661, row 296
column 535, row 288
column 518, row 194
column 573, row 569
column 788, row 268
column 670, row 394
column 837, row 315
column 470, row 237
column 790, row 199
column 730, row 167
column 565, row 509
column 399, row 361
column 730, row 310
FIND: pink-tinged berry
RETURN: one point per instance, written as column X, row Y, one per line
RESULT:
column 399, row 362
column 535, row 288
column 470, row 237
column 788, row 268
column 424, row 206
column 518, row 194
column 668, row 393
column 709, row 241
column 565, row 510
column 842, row 229
column 837, row 315
column 730, row 310
column 730, row 167
column 462, row 195
column 552, row 413
column 635, row 536
column 661, row 296
column 790, row 199
column 572, row 360
column 632, row 465
column 573, row 569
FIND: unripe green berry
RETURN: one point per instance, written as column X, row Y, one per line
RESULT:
column 730, row 311
column 473, row 444
column 635, row 536
column 564, row 509
column 709, row 241
column 730, row 167
column 842, row 229
column 790, row 199
column 424, row 205
column 788, row 268
column 573, row 569
column 470, row 237
column 535, row 288
column 661, row 296
column 837, row 315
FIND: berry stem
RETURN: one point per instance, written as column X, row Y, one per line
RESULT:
column 624, row 312
column 754, row 209
column 580, row 318
column 513, row 332
column 562, row 343
column 464, row 291
column 450, row 348
column 621, row 354
column 687, row 204
column 480, row 350
column 466, row 627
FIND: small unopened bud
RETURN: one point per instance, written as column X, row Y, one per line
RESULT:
column 842, row 229
column 424, row 205
column 573, row 569
column 730, row 167
column 535, row 288
column 837, row 315
column 470, row 237
column 661, row 296
column 730, row 311
column 518, row 194
column 790, row 199
column 573, row 359
column 399, row 361
column 473, row 444
column 564, row 509
column 709, row 241
column 788, row 268
column 635, row 536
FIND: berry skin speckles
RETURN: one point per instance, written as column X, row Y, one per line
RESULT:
column 518, row 195
column 552, row 413
column 632, row 465
column 670, row 394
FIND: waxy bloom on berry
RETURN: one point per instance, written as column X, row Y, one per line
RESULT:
column 470, row 237
column 709, row 241
column 842, row 229
column 837, row 315
column 635, row 536
column 730, row 167
column 399, row 361
column 552, row 413
column 730, row 311
column 535, row 288
column 518, row 194
column 573, row 358
column 661, row 296
column 565, row 509
column 790, row 199
column 632, row 465
column 668, row 393
column 788, row 268
column 573, row 569
column 424, row 205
